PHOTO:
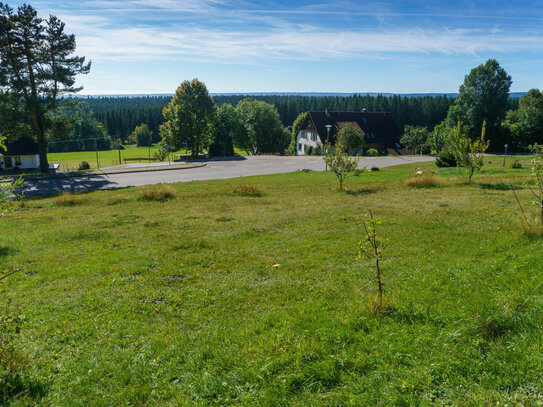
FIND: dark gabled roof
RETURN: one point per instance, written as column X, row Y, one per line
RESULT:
column 23, row 146
column 379, row 128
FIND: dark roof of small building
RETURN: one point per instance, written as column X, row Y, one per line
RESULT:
column 378, row 127
column 23, row 146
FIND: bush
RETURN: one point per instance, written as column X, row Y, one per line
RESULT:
column 309, row 150
column 516, row 164
column 247, row 190
column 318, row 149
column 446, row 159
column 423, row 180
column 161, row 154
column 161, row 193
column 372, row 152
column 69, row 199
column 83, row 166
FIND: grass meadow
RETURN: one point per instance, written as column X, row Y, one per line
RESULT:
column 248, row 292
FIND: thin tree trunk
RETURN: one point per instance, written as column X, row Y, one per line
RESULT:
column 379, row 283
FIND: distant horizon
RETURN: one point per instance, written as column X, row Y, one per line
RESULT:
column 308, row 94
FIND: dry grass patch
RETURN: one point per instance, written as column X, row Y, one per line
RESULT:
column 423, row 179
column 70, row 199
column 247, row 190
column 117, row 199
column 160, row 193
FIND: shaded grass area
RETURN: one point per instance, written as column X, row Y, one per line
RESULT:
column 219, row 298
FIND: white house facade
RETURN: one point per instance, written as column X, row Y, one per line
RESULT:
column 305, row 140
column 21, row 154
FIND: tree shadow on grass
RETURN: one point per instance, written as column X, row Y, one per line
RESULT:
column 6, row 251
column 14, row 386
column 501, row 186
column 412, row 316
column 361, row 191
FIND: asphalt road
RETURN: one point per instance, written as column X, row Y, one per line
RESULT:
column 215, row 169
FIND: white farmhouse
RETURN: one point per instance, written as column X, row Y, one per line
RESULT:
column 21, row 154
column 378, row 128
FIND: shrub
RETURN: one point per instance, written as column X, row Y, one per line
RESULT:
column 83, row 166
column 161, row 193
column 247, row 190
column 446, row 159
column 423, row 180
column 372, row 152
column 318, row 149
column 161, row 154
column 309, row 150
column 69, row 199
column 516, row 164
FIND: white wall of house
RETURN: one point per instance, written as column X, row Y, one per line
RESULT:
column 306, row 139
column 21, row 161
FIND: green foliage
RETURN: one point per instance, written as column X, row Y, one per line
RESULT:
column 340, row 163
column 161, row 154
column 446, row 158
column 438, row 138
column 73, row 127
column 229, row 131
column 190, row 118
column 468, row 153
column 83, row 166
column 537, row 187
column 308, row 150
column 483, row 98
column 142, row 136
column 8, row 191
column 516, row 164
column 372, row 152
column 372, row 247
column 318, row 149
column 416, row 138
column 264, row 131
column 37, row 66
column 350, row 139
column 296, row 127
column 525, row 125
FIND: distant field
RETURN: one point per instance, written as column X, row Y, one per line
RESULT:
column 212, row 298
column 109, row 158
column 105, row 158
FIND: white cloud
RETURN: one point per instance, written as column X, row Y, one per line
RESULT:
column 144, row 43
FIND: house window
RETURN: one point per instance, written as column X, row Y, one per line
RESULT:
column 17, row 160
column 299, row 146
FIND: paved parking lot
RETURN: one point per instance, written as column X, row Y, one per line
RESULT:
column 215, row 169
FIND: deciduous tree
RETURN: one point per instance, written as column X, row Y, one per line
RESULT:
column 189, row 118
column 265, row 133
column 483, row 98
column 350, row 139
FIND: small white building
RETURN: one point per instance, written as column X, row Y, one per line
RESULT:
column 21, row 154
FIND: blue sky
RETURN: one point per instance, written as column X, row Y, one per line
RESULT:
column 150, row 46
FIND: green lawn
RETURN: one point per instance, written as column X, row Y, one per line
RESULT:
column 70, row 161
column 211, row 298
